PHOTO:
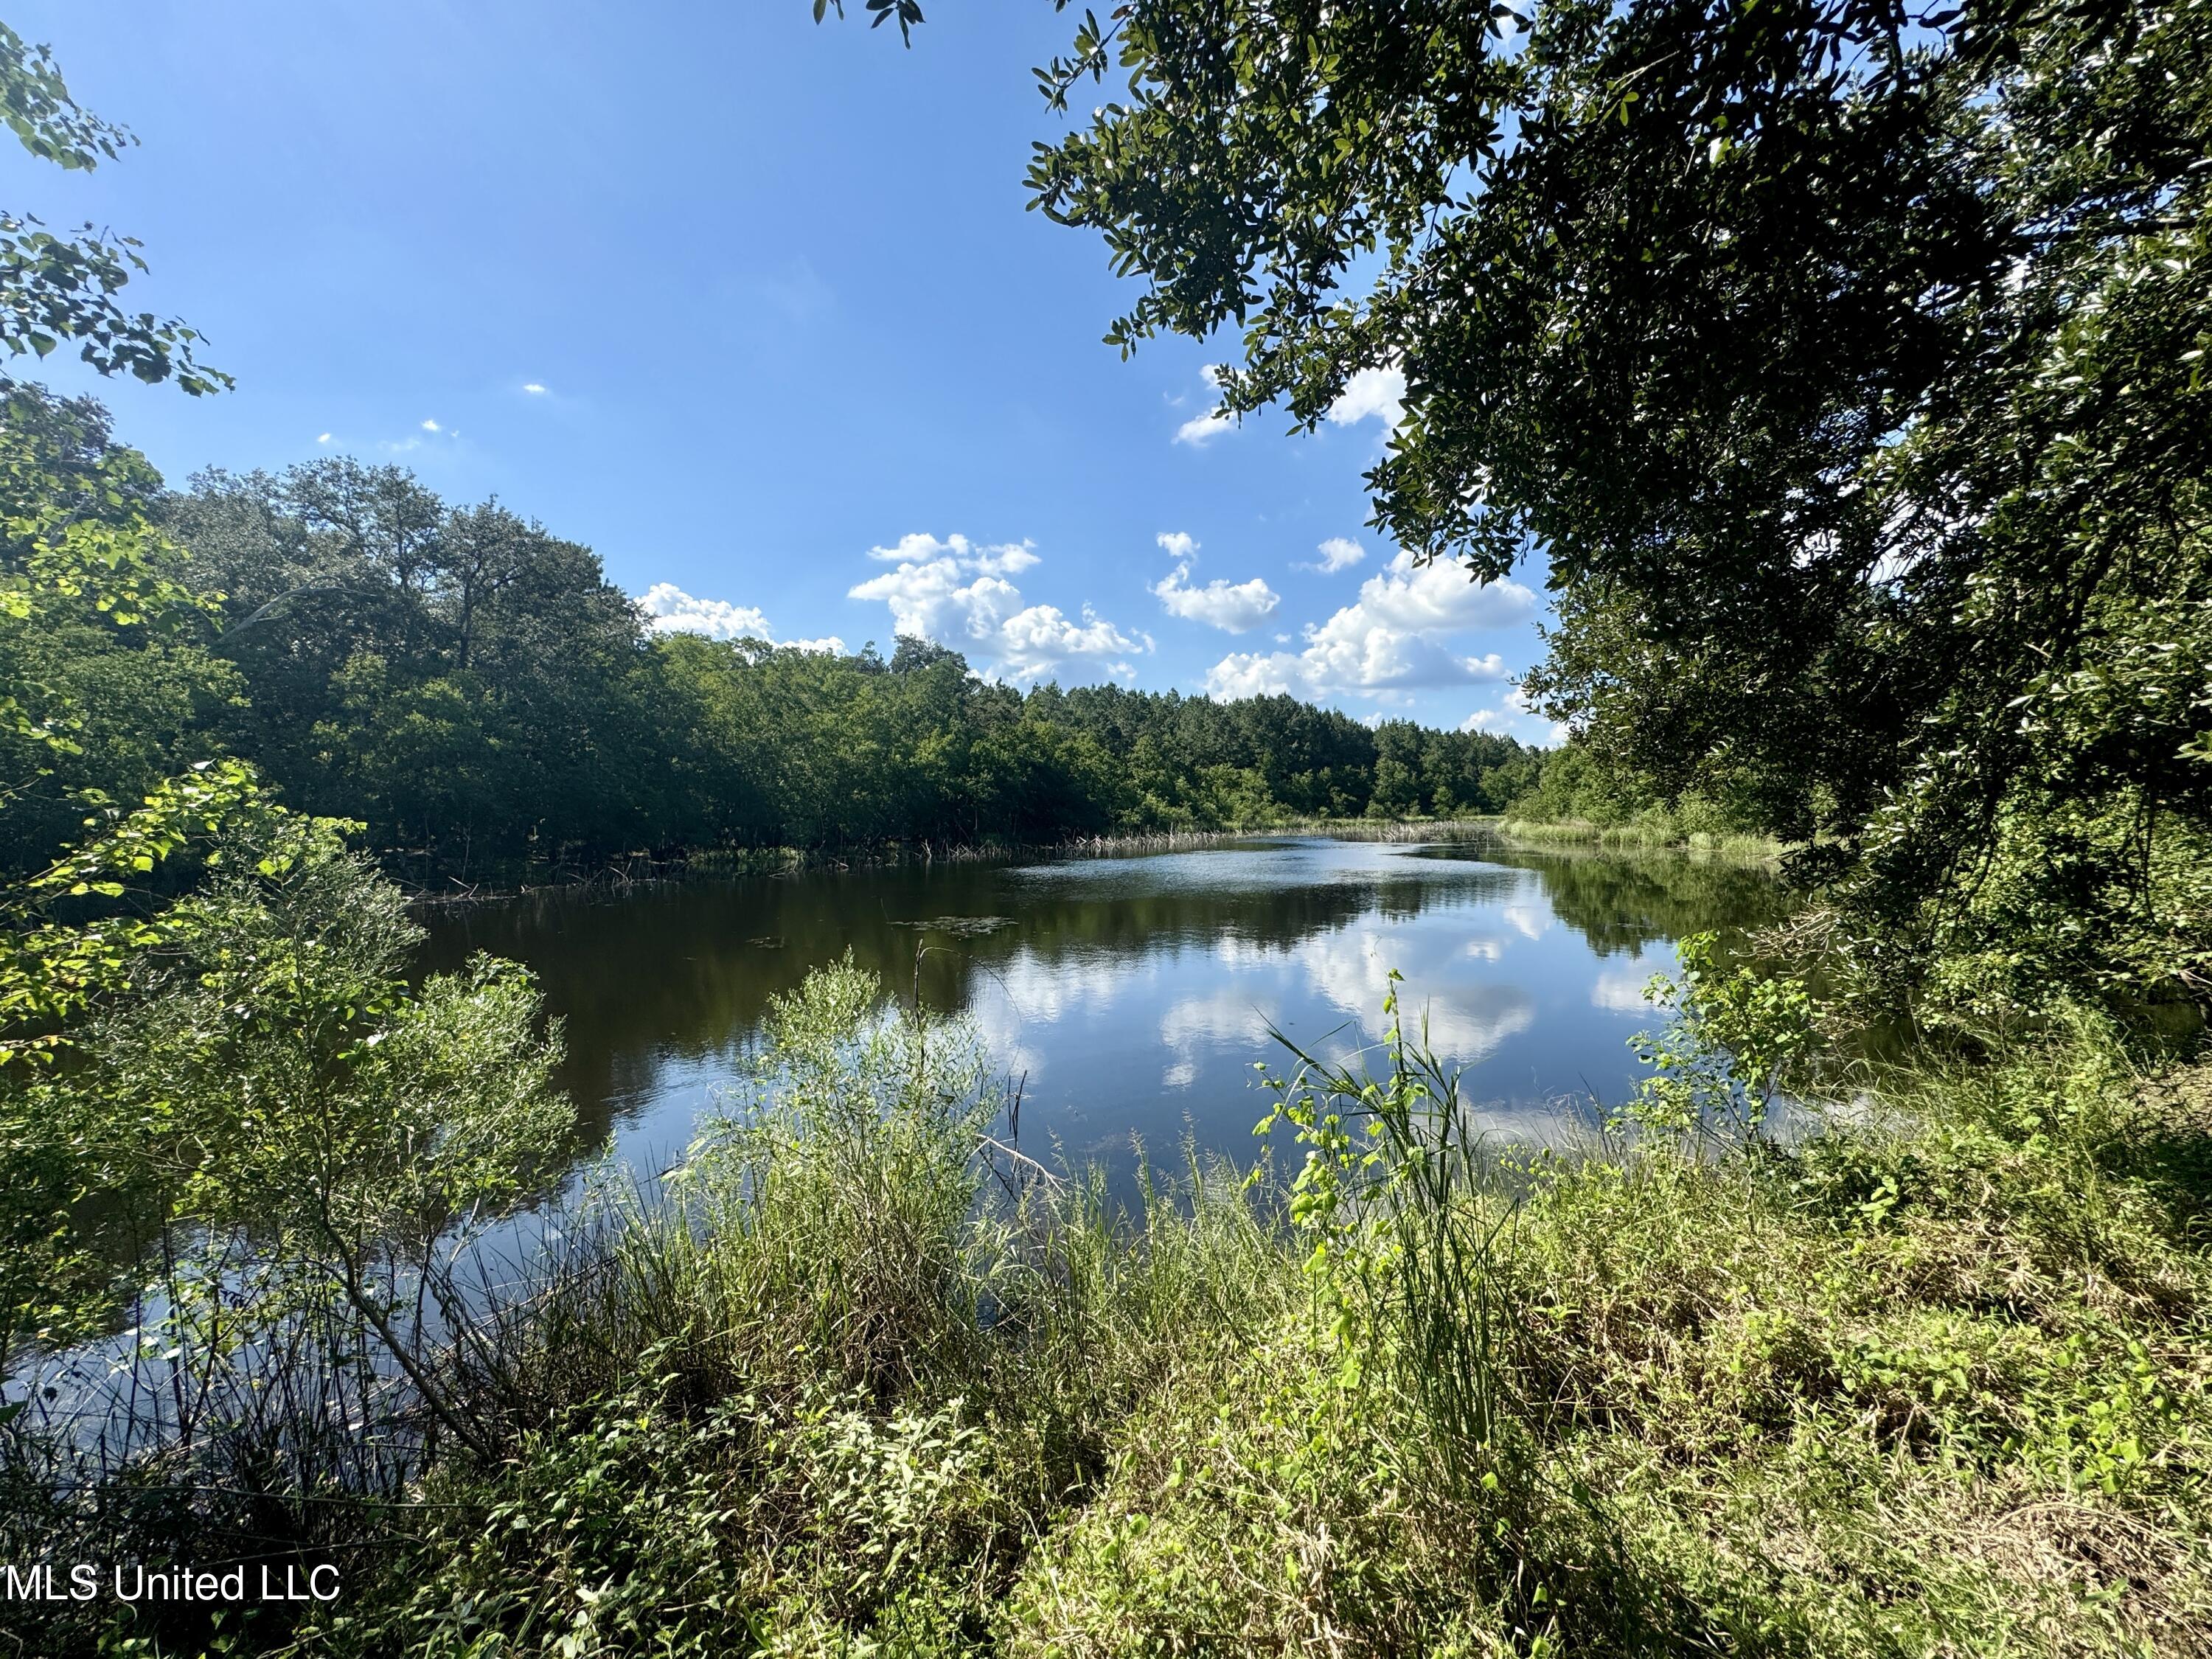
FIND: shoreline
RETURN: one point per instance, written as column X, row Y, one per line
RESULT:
column 1521, row 835
column 785, row 861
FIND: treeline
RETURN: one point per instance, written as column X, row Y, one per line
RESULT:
column 471, row 688
column 1582, row 785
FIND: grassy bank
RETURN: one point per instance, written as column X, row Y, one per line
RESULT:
column 1653, row 834
column 1363, row 829
column 1105, row 845
column 866, row 1380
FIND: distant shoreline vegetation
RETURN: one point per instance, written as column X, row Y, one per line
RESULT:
column 471, row 689
column 644, row 870
column 1661, row 832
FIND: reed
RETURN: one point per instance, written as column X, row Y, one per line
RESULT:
column 1662, row 834
column 863, row 1378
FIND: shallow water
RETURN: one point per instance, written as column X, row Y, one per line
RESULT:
column 1131, row 995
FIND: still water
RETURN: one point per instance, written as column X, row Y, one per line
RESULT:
column 1130, row 995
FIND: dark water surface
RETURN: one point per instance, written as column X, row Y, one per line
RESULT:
column 1134, row 993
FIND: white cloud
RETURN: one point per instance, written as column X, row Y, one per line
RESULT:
column 1006, row 559
column 794, row 290
column 956, row 592
column 1514, row 716
column 1011, row 1006
column 1393, row 639
column 1201, row 429
column 1225, row 1023
column 1377, row 391
column 1439, row 597
column 1235, row 608
column 430, row 426
column 670, row 609
column 534, row 388
column 1337, row 553
column 325, row 439
column 1222, row 1018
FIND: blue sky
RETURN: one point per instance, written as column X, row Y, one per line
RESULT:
column 752, row 308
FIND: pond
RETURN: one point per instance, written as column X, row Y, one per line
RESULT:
column 1130, row 995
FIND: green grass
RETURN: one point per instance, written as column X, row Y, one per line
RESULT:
column 1662, row 833
column 1934, row 1381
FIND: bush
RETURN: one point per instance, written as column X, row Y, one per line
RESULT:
column 1926, row 1375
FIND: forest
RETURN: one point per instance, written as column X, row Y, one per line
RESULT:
column 1844, row 362
column 472, row 690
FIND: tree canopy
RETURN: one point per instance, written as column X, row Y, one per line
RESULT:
column 1844, row 361
column 470, row 686
column 54, row 288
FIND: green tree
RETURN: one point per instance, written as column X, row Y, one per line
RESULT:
column 1844, row 361
column 97, row 702
column 53, row 288
column 211, row 1061
column 210, row 1057
column 468, row 683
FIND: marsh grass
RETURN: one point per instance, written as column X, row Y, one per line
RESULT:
column 862, row 1380
column 1652, row 834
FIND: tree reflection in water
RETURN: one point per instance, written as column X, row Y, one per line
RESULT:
column 1135, row 992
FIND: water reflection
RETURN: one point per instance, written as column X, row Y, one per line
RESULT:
column 1132, row 995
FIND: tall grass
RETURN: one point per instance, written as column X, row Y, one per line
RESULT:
column 862, row 1378
column 1650, row 834
column 1395, row 1195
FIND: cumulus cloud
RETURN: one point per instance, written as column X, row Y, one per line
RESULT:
column 325, row 439
column 1393, row 640
column 1439, row 597
column 956, row 593
column 1379, row 393
column 1337, row 553
column 670, row 609
column 1202, row 429
column 1233, row 607
column 1006, row 559
column 1514, row 716
column 427, row 432
column 534, row 388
